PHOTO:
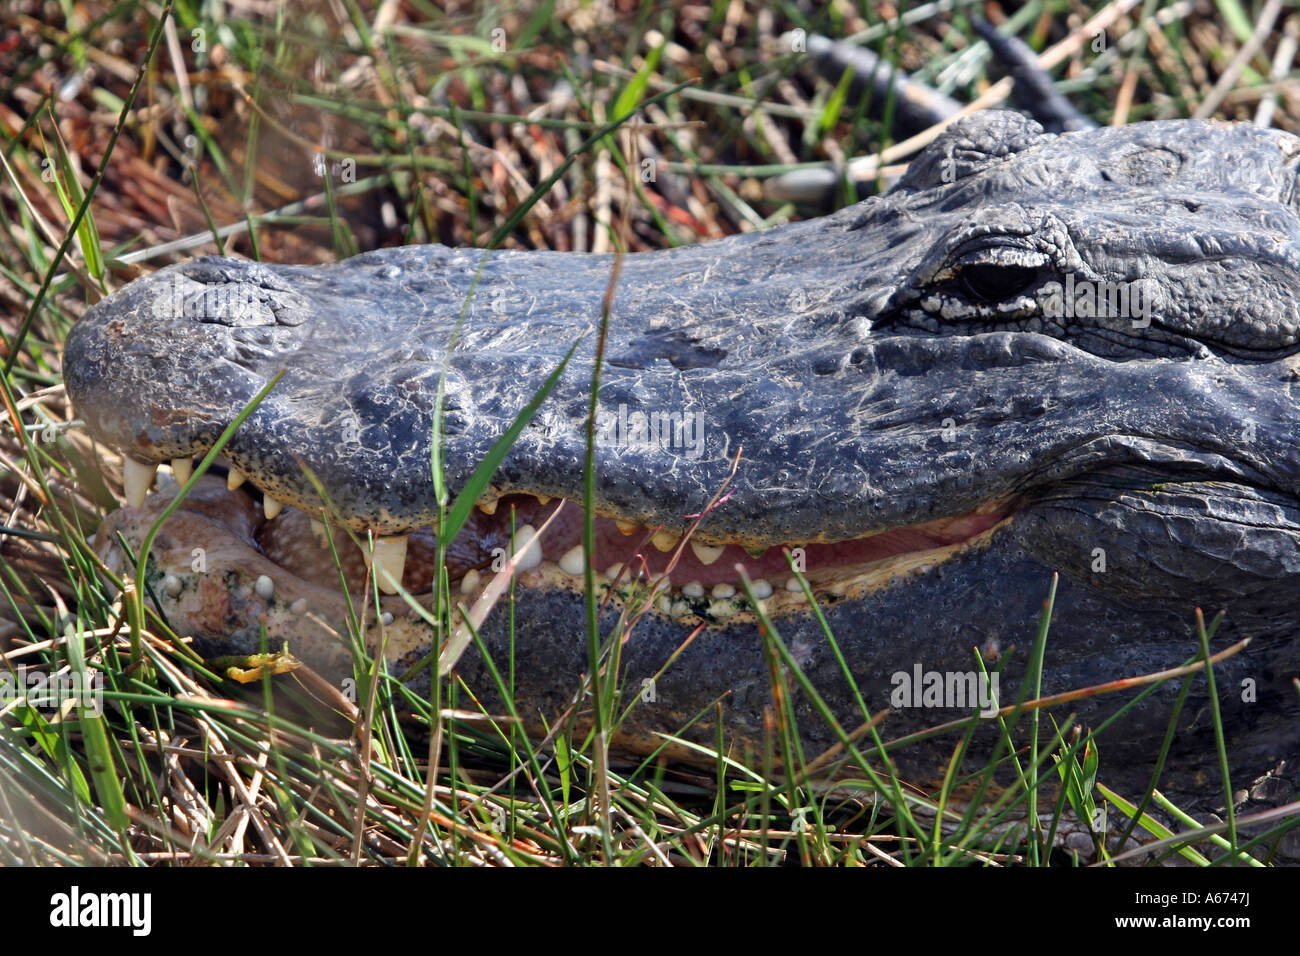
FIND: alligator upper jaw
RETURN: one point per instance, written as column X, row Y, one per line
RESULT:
column 926, row 460
column 804, row 358
column 829, row 440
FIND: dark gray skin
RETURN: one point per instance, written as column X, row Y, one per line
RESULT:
column 881, row 367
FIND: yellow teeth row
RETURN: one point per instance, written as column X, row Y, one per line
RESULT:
column 138, row 477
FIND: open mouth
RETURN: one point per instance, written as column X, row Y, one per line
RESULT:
column 695, row 569
column 688, row 575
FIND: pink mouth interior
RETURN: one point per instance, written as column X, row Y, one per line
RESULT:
column 612, row 546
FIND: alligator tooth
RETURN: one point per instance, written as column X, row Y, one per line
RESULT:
column 271, row 507
column 627, row 527
column 318, row 532
column 528, row 550
column 614, row 571
column 693, row 590
column 299, row 606
column 234, row 478
column 469, row 582
column 722, row 591
column 792, row 584
column 136, row 478
column 707, row 553
column 543, row 499
column 756, row 552
column 173, row 585
column 390, row 561
column 264, row 587
column 762, row 589
column 573, row 561
column 665, row 540
column 182, row 468
column 488, row 507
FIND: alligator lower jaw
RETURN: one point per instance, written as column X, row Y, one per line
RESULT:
column 688, row 578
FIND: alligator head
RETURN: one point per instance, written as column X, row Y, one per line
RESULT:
column 1037, row 353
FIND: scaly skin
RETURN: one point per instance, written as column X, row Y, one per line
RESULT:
column 897, row 369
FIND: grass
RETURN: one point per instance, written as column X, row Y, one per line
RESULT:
column 431, row 130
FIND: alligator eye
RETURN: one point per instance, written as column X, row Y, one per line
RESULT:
column 988, row 282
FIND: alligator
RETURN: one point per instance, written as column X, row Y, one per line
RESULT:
column 1037, row 354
